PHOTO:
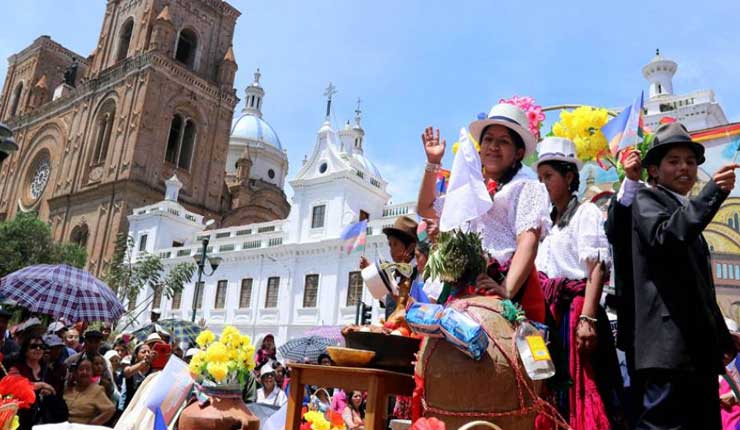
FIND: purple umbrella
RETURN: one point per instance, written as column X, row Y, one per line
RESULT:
column 63, row 292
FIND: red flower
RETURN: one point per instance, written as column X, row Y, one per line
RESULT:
column 491, row 186
column 428, row 424
column 335, row 419
column 19, row 388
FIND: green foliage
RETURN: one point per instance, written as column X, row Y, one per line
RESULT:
column 642, row 148
column 457, row 257
column 26, row 240
column 128, row 276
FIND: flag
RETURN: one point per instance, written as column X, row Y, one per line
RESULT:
column 467, row 197
column 354, row 236
column 443, row 176
column 624, row 130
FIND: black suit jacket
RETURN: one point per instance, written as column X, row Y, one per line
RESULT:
column 618, row 228
column 678, row 324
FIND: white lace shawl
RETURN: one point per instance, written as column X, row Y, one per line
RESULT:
column 522, row 204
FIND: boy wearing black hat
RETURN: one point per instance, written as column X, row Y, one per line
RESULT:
column 680, row 337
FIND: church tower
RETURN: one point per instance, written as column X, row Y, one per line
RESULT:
column 659, row 72
column 153, row 100
column 337, row 185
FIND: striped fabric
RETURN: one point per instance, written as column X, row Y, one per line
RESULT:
column 62, row 291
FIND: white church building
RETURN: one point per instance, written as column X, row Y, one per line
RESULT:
column 281, row 277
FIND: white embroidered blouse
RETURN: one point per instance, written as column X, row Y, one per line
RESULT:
column 522, row 204
column 566, row 251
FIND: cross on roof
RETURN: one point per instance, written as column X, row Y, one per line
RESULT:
column 329, row 92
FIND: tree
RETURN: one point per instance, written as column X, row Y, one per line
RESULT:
column 128, row 276
column 26, row 240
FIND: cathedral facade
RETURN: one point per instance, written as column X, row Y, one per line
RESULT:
column 99, row 135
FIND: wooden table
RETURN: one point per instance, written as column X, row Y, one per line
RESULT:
column 379, row 384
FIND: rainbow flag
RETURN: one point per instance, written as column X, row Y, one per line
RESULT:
column 354, row 237
column 729, row 130
column 443, row 176
column 626, row 129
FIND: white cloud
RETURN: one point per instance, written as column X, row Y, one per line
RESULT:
column 403, row 180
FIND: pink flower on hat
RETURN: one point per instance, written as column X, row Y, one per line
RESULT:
column 534, row 112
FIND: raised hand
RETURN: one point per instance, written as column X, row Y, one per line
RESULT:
column 633, row 166
column 433, row 147
column 725, row 177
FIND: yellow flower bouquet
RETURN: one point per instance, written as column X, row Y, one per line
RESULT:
column 224, row 361
column 583, row 126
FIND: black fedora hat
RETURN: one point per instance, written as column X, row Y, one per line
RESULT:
column 668, row 136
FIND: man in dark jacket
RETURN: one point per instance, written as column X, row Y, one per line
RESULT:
column 681, row 341
column 618, row 227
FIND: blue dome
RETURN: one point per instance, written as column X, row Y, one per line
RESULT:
column 251, row 127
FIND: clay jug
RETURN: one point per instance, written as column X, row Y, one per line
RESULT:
column 225, row 411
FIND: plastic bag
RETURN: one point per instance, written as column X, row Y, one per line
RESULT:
column 423, row 318
column 464, row 332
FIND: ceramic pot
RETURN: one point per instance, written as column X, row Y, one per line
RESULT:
column 225, row 411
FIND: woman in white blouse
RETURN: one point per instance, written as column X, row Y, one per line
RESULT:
column 573, row 259
column 512, row 228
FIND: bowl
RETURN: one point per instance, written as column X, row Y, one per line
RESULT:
column 349, row 357
column 391, row 352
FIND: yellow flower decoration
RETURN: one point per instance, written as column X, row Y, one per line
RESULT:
column 583, row 126
column 217, row 352
column 218, row 371
column 317, row 419
column 15, row 423
column 205, row 338
column 196, row 363
column 223, row 360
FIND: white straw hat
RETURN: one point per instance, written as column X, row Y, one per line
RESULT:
column 511, row 117
column 557, row 149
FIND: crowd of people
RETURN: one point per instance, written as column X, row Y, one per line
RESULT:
column 88, row 379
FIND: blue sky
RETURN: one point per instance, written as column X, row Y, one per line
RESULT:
column 417, row 63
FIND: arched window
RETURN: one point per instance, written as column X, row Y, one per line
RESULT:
column 187, row 43
column 181, row 142
column 16, row 99
column 79, row 235
column 124, row 39
column 103, row 130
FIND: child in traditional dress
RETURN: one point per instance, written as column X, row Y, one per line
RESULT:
column 572, row 260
